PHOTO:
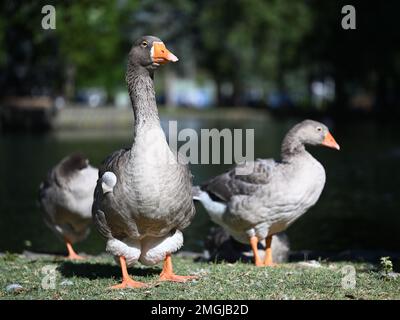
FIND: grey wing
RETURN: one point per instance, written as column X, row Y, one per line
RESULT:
column 190, row 210
column 44, row 200
column 49, row 195
column 243, row 180
column 99, row 218
column 112, row 163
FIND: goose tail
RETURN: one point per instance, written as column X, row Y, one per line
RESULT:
column 196, row 192
column 108, row 182
column 215, row 209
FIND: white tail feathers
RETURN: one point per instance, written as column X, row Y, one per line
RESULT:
column 215, row 209
column 196, row 192
column 108, row 182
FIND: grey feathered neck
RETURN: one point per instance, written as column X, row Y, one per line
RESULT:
column 292, row 145
column 143, row 98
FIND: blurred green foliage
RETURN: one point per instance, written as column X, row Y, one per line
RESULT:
column 91, row 39
column 225, row 38
column 271, row 43
column 245, row 40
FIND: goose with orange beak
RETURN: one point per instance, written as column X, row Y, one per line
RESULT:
column 143, row 199
column 264, row 197
column 160, row 54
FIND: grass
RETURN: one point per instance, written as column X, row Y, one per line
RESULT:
column 90, row 279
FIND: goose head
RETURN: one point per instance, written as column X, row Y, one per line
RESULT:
column 314, row 133
column 150, row 52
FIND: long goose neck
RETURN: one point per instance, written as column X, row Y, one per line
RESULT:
column 143, row 98
column 292, row 147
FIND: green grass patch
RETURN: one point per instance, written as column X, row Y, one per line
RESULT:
column 91, row 279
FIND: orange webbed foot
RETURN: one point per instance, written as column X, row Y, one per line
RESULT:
column 168, row 274
column 74, row 256
column 129, row 283
column 268, row 253
column 175, row 278
column 270, row 264
column 258, row 263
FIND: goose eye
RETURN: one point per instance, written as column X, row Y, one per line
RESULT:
column 319, row 129
column 144, row 44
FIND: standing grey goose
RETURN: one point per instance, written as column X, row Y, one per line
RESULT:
column 143, row 197
column 66, row 198
column 265, row 196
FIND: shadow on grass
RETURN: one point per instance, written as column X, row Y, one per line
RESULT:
column 100, row 270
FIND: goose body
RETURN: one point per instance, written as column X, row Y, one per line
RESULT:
column 66, row 198
column 271, row 195
column 150, row 203
column 143, row 196
column 220, row 246
column 247, row 206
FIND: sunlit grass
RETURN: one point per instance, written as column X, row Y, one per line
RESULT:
column 92, row 278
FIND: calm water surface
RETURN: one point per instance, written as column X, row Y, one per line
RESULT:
column 359, row 208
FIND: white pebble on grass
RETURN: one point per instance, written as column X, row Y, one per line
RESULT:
column 66, row 283
column 392, row 275
column 311, row 264
column 200, row 272
column 14, row 287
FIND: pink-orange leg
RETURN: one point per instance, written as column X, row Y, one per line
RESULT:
column 167, row 273
column 268, row 253
column 254, row 247
column 72, row 255
column 127, row 281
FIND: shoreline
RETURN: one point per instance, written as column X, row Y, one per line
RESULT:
column 108, row 117
column 367, row 256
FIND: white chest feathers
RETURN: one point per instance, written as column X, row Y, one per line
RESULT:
column 151, row 150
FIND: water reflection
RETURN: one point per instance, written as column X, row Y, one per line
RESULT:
column 359, row 208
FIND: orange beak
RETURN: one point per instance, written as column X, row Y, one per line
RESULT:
column 330, row 142
column 160, row 54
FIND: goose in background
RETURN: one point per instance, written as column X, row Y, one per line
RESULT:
column 254, row 201
column 143, row 199
column 220, row 246
column 66, row 198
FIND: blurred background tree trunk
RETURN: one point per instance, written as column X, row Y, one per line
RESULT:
column 69, row 84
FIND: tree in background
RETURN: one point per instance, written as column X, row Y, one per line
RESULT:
column 246, row 40
column 234, row 42
column 242, row 43
column 85, row 49
column 361, row 60
column 28, row 58
column 93, row 39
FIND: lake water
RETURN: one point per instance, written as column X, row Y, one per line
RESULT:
column 359, row 208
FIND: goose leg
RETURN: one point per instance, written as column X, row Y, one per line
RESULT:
column 72, row 255
column 254, row 247
column 127, row 281
column 167, row 273
column 268, row 253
